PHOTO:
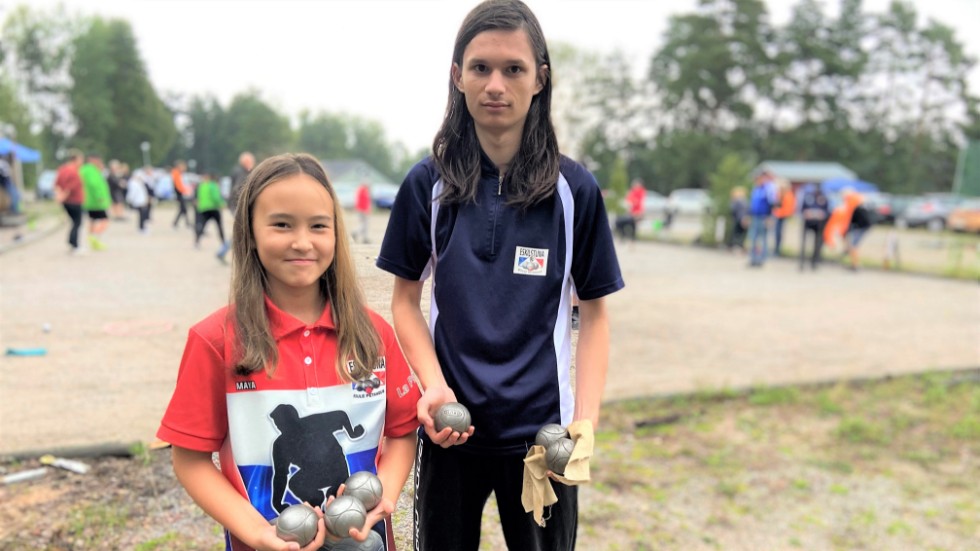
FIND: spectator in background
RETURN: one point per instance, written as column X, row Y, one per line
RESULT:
column 98, row 199
column 785, row 208
column 739, row 210
column 839, row 220
column 761, row 201
column 634, row 201
column 181, row 191
column 117, row 190
column 814, row 209
column 857, row 227
column 245, row 163
column 362, row 204
column 69, row 192
column 209, row 204
column 138, row 197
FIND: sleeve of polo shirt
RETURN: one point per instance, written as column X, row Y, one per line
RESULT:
column 197, row 416
column 595, row 268
column 407, row 245
column 401, row 415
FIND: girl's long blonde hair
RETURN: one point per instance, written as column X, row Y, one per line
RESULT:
column 255, row 347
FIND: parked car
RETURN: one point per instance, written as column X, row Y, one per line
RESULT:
column 889, row 207
column 346, row 194
column 45, row 185
column 383, row 195
column 654, row 204
column 693, row 201
column 880, row 206
column 966, row 217
column 930, row 211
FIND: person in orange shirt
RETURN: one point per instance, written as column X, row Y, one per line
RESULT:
column 181, row 190
column 840, row 218
column 786, row 208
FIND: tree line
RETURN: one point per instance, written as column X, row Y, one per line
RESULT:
column 882, row 93
column 80, row 81
column 885, row 94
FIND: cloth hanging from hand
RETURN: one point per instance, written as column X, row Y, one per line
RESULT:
column 537, row 492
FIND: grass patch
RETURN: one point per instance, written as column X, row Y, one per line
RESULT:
column 856, row 430
column 770, row 396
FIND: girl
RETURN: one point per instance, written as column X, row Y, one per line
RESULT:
column 296, row 383
column 509, row 229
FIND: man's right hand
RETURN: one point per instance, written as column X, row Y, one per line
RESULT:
column 431, row 400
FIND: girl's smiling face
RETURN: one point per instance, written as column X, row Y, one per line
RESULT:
column 293, row 222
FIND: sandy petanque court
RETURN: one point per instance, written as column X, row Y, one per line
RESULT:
column 112, row 326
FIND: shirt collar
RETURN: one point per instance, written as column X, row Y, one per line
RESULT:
column 282, row 323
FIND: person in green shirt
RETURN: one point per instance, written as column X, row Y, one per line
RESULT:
column 209, row 204
column 98, row 199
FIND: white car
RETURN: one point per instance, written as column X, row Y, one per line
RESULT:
column 689, row 201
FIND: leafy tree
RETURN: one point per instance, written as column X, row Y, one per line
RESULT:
column 711, row 63
column 618, row 186
column 209, row 146
column 368, row 143
column 92, row 71
column 323, row 135
column 731, row 172
column 253, row 125
column 37, row 49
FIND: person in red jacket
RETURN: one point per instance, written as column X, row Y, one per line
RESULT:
column 69, row 192
column 362, row 204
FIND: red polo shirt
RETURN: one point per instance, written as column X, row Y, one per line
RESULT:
column 69, row 181
column 301, row 419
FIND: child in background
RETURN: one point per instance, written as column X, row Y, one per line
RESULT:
column 98, row 199
column 138, row 197
column 209, row 204
column 296, row 383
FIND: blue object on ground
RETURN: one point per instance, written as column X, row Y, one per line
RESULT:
column 27, row 351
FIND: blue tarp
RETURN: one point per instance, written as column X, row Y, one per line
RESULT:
column 23, row 153
column 835, row 185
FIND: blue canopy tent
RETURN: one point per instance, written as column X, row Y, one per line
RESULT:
column 836, row 185
column 23, row 153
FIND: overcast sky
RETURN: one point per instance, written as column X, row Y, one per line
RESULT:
column 388, row 60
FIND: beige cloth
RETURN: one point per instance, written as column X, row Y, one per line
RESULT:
column 538, row 492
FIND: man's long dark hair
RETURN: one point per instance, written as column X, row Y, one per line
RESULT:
column 533, row 174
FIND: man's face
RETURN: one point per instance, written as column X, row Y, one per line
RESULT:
column 499, row 78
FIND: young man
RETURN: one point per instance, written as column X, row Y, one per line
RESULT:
column 508, row 228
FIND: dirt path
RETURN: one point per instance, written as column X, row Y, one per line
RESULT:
column 689, row 319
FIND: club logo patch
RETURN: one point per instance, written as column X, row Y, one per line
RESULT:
column 372, row 387
column 530, row 261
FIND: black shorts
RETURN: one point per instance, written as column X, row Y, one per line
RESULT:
column 97, row 215
column 452, row 488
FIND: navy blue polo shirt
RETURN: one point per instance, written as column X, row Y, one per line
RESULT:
column 501, row 293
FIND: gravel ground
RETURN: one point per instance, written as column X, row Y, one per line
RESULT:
column 689, row 320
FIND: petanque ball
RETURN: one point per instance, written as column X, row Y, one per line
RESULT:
column 452, row 414
column 549, row 433
column 344, row 513
column 374, row 542
column 558, row 454
column 297, row 523
column 365, row 486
